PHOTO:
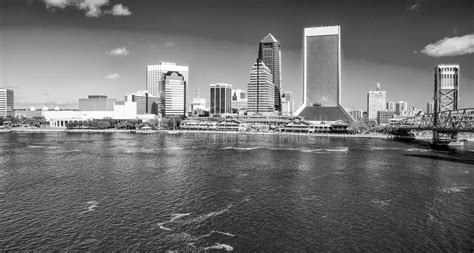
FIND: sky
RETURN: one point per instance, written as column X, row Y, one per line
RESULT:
column 56, row 51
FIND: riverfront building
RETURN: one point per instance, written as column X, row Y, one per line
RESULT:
column 376, row 101
column 261, row 90
column 173, row 94
column 270, row 53
column 146, row 102
column 96, row 103
column 7, row 103
column 287, row 104
column 322, row 75
column 384, row 117
column 155, row 75
column 446, row 81
column 221, row 98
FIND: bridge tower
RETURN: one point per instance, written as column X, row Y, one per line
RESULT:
column 446, row 88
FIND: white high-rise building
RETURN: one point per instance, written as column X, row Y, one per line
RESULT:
column 173, row 94
column 401, row 108
column 261, row 90
column 376, row 101
column 7, row 103
column 391, row 106
column 430, row 107
column 155, row 73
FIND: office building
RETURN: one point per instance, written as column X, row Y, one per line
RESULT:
column 384, row 117
column 446, row 81
column 322, row 75
column 221, row 98
column 356, row 114
column 146, row 102
column 376, row 101
column 198, row 104
column 430, row 107
column 7, row 103
column 155, row 75
column 270, row 53
column 173, row 94
column 96, row 103
column 287, row 104
column 239, row 99
column 261, row 90
column 391, row 106
column 401, row 108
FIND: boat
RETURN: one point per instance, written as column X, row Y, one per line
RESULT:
column 456, row 144
column 146, row 130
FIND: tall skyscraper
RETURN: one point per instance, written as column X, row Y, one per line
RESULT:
column 239, row 99
column 446, row 81
column 221, row 98
column 155, row 73
column 270, row 53
column 96, row 103
column 391, row 106
column 356, row 114
column 146, row 102
column 173, row 94
column 376, row 101
column 322, row 75
column 7, row 103
column 261, row 90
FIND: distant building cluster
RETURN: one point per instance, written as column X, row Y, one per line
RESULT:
column 166, row 92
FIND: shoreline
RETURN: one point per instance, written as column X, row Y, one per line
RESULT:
column 179, row 132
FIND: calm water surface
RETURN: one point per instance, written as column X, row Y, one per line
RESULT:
column 198, row 192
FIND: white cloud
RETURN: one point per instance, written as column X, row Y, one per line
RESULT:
column 113, row 76
column 414, row 7
column 56, row 3
column 93, row 8
column 120, row 10
column 451, row 46
column 121, row 51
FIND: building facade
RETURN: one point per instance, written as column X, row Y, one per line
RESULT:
column 401, row 108
column 239, row 99
column 7, row 103
column 384, row 117
column 391, row 106
column 287, row 104
column 322, row 75
column 356, row 114
column 155, row 75
column 270, row 53
column 430, row 107
column 146, row 102
column 173, row 94
column 446, row 81
column 261, row 90
column 376, row 101
column 221, row 98
column 96, row 103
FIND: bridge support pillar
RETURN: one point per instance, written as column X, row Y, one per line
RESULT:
column 444, row 138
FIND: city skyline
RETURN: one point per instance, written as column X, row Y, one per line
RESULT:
column 110, row 51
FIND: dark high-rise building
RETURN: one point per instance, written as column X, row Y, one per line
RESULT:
column 270, row 53
column 221, row 98
column 322, row 75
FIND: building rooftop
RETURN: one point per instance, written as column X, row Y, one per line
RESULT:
column 269, row 39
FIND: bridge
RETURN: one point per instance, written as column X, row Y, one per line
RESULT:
column 445, row 125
